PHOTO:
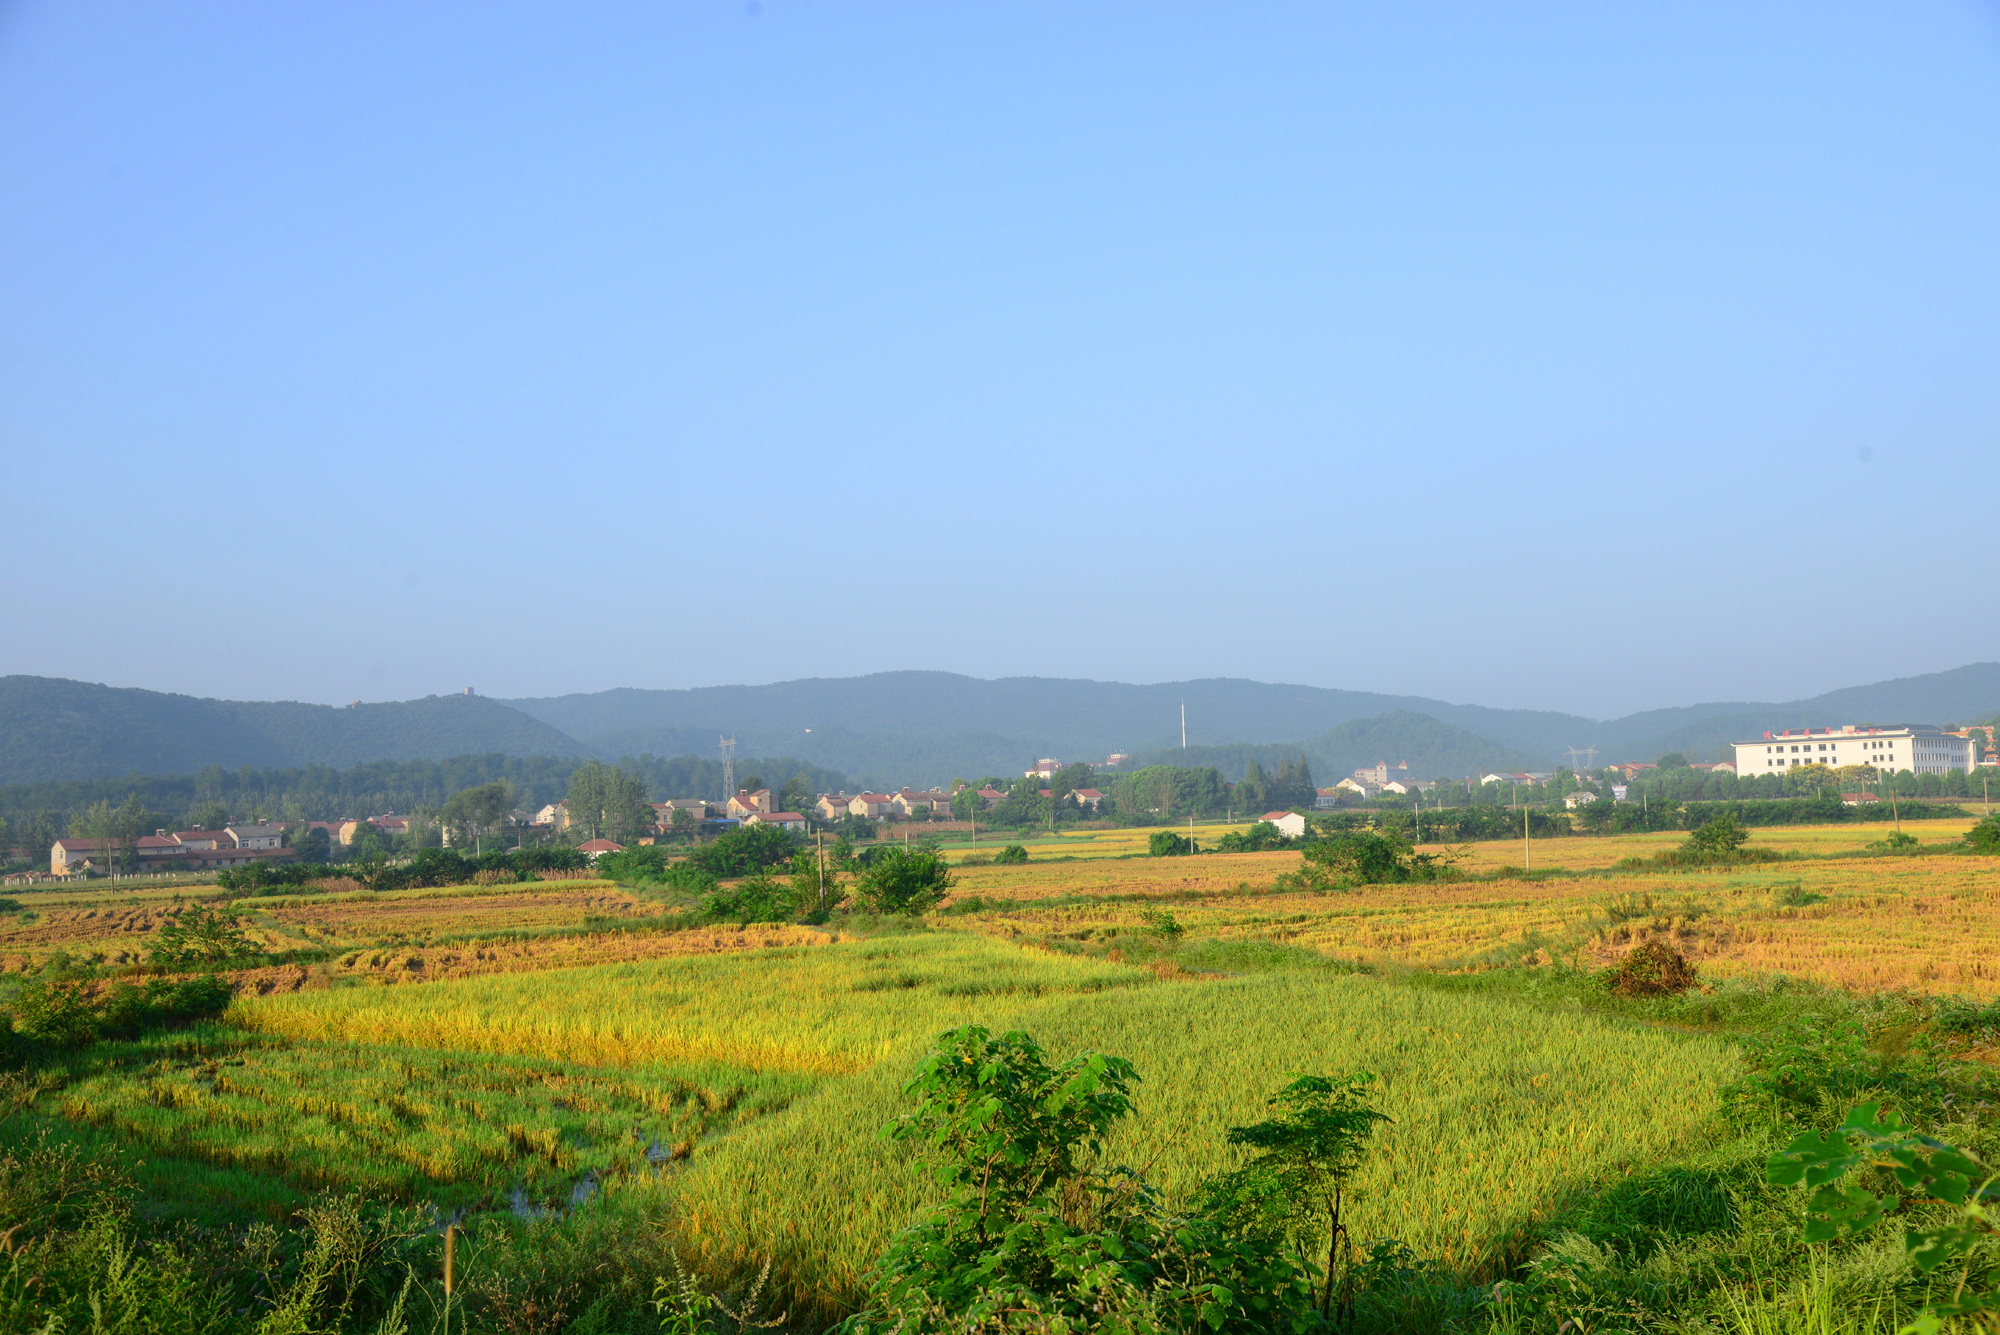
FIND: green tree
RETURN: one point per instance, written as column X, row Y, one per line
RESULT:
column 201, row 938
column 312, row 844
column 1367, row 857
column 1305, row 1154
column 966, row 803
column 1672, row 760
column 816, row 876
column 1034, row 1237
column 683, row 825
column 904, row 880
column 797, row 794
column 1719, row 837
column 207, row 816
column 473, row 813
column 744, row 851
column 1985, row 836
column 607, row 802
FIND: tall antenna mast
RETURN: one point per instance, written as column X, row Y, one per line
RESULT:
column 728, row 769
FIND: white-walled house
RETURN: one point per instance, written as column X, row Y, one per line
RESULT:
column 1290, row 823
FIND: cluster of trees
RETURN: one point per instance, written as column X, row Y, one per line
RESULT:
column 428, row 866
column 1676, row 781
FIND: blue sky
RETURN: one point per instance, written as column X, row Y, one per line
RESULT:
column 1561, row 355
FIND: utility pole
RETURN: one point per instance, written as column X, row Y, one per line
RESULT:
column 1527, row 844
column 1183, row 725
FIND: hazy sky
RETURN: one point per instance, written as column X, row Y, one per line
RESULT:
column 1582, row 356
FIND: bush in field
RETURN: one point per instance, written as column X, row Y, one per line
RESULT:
column 55, row 1014
column 1367, row 857
column 1257, row 839
column 1719, row 837
column 201, row 938
column 742, row 852
column 1013, row 855
column 1653, row 969
column 1032, row 1237
column 904, row 880
column 758, row 899
column 1985, row 836
column 1167, row 844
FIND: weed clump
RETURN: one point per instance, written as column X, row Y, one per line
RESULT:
column 1653, row 969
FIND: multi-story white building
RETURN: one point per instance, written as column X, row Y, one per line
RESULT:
column 1903, row 746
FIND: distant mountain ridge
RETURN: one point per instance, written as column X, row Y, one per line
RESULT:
column 842, row 722
column 53, row 729
column 912, row 728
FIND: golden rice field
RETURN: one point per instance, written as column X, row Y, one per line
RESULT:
column 1497, row 1118
column 1925, row 924
column 354, row 921
column 829, row 1010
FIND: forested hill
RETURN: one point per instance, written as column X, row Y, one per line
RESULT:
column 948, row 724
column 53, row 730
column 1434, row 750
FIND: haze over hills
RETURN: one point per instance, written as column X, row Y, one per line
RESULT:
column 910, row 727
column 53, row 729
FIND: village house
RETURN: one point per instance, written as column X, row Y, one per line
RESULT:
column 1088, row 797
column 1325, row 799
column 597, row 848
column 747, row 803
column 1405, row 787
column 1045, row 768
column 791, row 821
column 1290, row 823
column 183, row 850
column 872, row 805
column 832, row 806
column 992, row 796
column 1364, row 788
column 1381, row 772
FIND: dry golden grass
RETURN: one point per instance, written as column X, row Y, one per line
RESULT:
column 363, row 921
column 1919, row 923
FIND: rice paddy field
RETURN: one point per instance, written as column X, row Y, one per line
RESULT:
column 554, row 1047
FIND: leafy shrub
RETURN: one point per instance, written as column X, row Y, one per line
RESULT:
column 1718, row 837
column 741, row 852
column 1257, row 839
column 1167, row 844
column 198, row 937
column 55, row 1014
column 1653, row 969
column 1896, row 841
column 1013, row 855
column 1031, row 1238
column 904, row 880
column 1367, row 857
column 758, row 899
column 10, row 906
column 1985, row 836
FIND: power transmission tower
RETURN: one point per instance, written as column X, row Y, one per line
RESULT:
column 1589, row 754
column 728, row 769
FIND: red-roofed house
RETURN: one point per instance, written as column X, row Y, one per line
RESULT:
column 784, row 820
column 872, row 805
column 1087, row 797
column 1290, row 823
column 596, row 848
column 746, row 804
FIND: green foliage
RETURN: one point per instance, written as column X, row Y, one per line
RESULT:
column 199, row 937
column 1896, row 841
column 1985, row 836
column 607, row 802
column 745, row 850
column 1167, row 844
column 904, row 880
column 756, row 899
column 1033, row 1238
column 52, row 1014
column 55, row 1014
column 475, row 813
column 1012, row 855
column 1367, row 857
column 1257, row 839
column 1719, row 837
column 1303, row 1157
column 1162, row 924
column 1923, row 1170
column 816, row 879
